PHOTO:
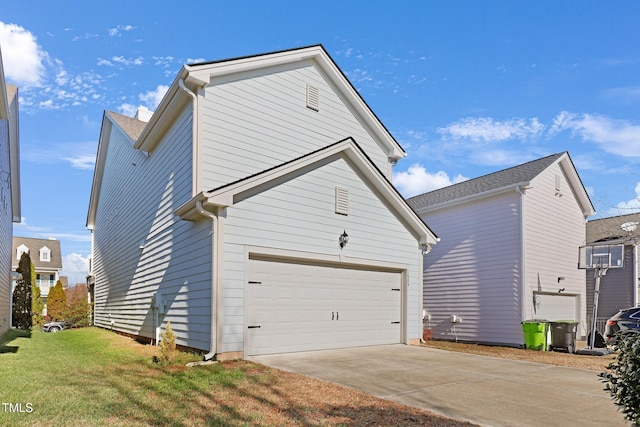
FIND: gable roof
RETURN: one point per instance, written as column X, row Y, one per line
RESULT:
column 131, row 128
column 234, row 192
column 610, row 228
column 201, row 74
column 504, row 180
column 34, row 246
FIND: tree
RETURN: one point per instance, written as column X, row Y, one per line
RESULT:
column 57, row 302
column 22, row 295
column 77, row 312
column 622, row 380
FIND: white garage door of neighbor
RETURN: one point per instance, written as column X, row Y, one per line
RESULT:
column 300, row 307
column 556, row 306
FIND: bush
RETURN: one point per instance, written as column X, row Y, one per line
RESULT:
column 622, row 380
column 167, row 345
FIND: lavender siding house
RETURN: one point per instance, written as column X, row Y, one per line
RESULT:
column 508, row 253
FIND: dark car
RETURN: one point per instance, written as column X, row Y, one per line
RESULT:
column 52, row 327
column 626, row 321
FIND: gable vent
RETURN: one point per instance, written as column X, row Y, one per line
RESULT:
column 313, row 97
column 342, row 201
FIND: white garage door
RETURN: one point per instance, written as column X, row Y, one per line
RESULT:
column 556, row 306
column 301, row 307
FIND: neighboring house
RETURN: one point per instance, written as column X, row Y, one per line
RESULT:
column 9, row 190
column 509, row 252
column 619, row 286
column 254, row 211
column 46, row 258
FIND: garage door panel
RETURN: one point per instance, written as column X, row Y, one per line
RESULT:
column 301, row 307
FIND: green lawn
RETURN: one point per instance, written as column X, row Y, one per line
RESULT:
column 95, row 377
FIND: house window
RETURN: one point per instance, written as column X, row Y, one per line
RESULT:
column 45, row 254
column 22, row 249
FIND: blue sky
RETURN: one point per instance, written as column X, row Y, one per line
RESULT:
column 466, row 87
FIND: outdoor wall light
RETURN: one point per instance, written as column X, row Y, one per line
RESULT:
column 344, row 239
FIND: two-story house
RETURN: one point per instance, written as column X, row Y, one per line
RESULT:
column 254, row 211
column 46, row 258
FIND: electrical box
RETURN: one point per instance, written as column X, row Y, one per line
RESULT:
column 455, row 319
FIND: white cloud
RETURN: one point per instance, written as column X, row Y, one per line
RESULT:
column 78, row 155
column 153, row 97
column 127, row 61
column 629, row 206
column 618, row 137
column 22, row 56
column 119, row 29
column 486, row 129
column 85, row 162
column 501, row 157
column 128, row 109
column 75, row 267
column 417, row 180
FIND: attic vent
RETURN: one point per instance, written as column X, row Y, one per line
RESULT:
column 313, row 97
column 342, row 201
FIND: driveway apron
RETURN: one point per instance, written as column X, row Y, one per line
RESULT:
column 483, row 390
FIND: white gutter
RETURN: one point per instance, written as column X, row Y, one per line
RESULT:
column 214, row 279
column 195, row 178
column 523, row 283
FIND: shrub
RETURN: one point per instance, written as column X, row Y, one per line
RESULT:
column 22, row 295
column 622, row 380
column 57, row 302
column 167, row 345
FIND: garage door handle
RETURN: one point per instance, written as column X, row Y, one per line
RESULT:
column 395, row 289
column 337, row 315
column 395, row 323
column 253, row 327
column 333, row 316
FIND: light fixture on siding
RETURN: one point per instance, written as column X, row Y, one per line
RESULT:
column 426, row 249
column 344, row 239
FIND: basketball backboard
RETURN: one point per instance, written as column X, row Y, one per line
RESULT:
column 601, row 256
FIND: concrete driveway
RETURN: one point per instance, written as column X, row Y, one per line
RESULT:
column 479, row 389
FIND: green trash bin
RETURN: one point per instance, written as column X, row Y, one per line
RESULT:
column 535, row 334
column 563, row 335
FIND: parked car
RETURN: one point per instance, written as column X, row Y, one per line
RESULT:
column 625, row 321
column 52, row 327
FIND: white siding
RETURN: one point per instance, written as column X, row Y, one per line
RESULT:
column 5, row 229
column 555, row 229
column 474, row 272
column 257, row 122
column 299, row 216
column 137, row 200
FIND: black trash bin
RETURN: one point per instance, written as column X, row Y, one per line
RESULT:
column 563, row 335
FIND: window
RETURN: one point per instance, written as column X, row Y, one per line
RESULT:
column 45, row 254
column 22, row 249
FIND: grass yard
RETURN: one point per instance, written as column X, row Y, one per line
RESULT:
column 93, row 377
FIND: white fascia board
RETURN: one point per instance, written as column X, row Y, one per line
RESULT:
column 576, row 186
column 230, row 194
column 511, row 187
column 203, row 74
column 98, row 171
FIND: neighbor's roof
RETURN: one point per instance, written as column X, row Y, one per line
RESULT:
column 504, row 180
column 610, row 228
column 132, row 127
column 34, row 246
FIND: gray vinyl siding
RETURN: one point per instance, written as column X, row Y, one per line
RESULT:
column 555, row 229
column 616, row 288
column 299, row 216
column 474, row 272
column 137, row 200
column 6, row 229
column 257, row 122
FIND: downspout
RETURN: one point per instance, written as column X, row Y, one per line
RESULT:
column 214, row 279
column 523, row 284
column 195, row 183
